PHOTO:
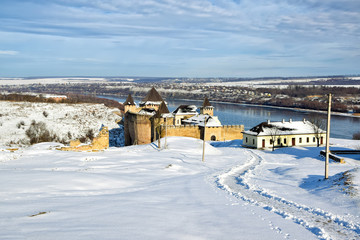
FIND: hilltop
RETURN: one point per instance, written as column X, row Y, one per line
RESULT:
column 63, row 121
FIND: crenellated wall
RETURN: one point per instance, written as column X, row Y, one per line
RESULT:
column 182, row 130
column 231, row 132
column 131, row 108
column 222, row 133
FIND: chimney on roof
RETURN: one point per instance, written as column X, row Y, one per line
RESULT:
column 304, row 120
column 268, row 121
column 290, row 120
column 283, row 121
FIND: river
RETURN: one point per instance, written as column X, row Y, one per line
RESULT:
column 250, row 115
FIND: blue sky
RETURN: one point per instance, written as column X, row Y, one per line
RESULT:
column 179, row 38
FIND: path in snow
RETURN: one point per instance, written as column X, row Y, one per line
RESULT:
column 323, row 224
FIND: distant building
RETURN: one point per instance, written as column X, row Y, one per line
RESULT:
column 56, row 98
column 283, row 134
column 147, row 123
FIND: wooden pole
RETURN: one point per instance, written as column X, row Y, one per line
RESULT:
column 135, row 133
column 165, row 132
column 159, row 138
column 327, row 140
column 203, row 155
column 159, row 134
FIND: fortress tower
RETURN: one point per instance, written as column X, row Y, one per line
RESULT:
column 152, row 100
column 129, row 104
column 207, row 108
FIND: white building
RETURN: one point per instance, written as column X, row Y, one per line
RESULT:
column 283, row 134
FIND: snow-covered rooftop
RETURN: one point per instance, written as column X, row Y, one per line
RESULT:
column 142, row 103
column 147, row 111
column 200, row 118
column 283, row 128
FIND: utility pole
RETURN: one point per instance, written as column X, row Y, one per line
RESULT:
column 327, row 139
column 159, row 136
column 165, row 132
column 203, row 155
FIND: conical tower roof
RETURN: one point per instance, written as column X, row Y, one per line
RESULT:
column 206, row 103
column 129, row 100
column 153, row 96
column 162, row 109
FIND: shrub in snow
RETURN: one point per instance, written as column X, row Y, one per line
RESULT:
column 90, row 134
column 19, row 124
column 45, row 113
column 88, row 137
column 356, row 136
column 37, row 132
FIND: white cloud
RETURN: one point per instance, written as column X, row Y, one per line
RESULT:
column 140, row 32
column 8, row 52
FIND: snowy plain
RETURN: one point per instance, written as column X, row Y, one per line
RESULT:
column 141, row 192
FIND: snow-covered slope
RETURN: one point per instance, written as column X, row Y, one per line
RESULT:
column 140, row 192
column 61, row 119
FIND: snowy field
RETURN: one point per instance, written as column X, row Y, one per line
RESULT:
column 59, row 80
column 140, row 192
column 275, row 82
column 67, row 121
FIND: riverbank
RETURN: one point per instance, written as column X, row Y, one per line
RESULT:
column 342, row 125
column 356, row 115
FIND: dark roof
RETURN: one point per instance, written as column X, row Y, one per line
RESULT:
column 206, row 103
column 260, row 128
column 185, row 109
column 129, row 100
column 162, row 109
column 153, row 96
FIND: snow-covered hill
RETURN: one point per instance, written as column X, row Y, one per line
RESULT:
column 67, row 121
column 141, row 192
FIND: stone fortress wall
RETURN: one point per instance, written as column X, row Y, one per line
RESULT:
column 99, row 143
column 221, row 133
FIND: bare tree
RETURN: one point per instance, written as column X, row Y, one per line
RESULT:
column 157, row 128
column 356, row 136
column 274, row 135
column 318, row 125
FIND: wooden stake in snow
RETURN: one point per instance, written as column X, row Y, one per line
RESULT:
column 327, row 140
column 159, row 136
column 165, row 133
column 203, row 155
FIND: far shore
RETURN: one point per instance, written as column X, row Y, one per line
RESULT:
column 355, row 115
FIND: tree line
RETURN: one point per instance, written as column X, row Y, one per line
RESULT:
column 71, row 99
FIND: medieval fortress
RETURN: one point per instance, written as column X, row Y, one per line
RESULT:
column 152, row 120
